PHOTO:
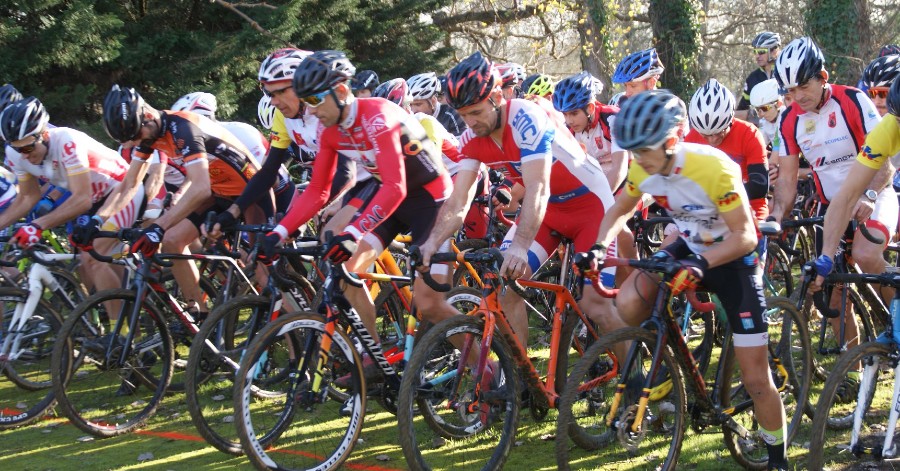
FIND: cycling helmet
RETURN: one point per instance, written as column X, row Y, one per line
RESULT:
column 320, row 71
column 280, row 65
column 766, row 39
column 541, row 86
column 202, row 103
column 882, row 72
column 364, row 80
column 893, row 99
column 638, row 65
column 526, row 84
column 395, row 90
column 122, row 113
column 712, row 108
column 265, row 112
column 8, row 95
column 574, row 93
column 647, row 119
column 424, row 86
column 511, row 73
column 618, row 99
column 26, row 117
column 800, row 61
column 765, row 92
column 889, row 49
column 471, row 81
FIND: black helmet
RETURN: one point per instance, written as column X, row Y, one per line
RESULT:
column 882, row 72
column 442, row 82
column 471, row 81
column 26, row 117
column 8, row 95
column 122, row 113
column 800, row 61
column 893, row 99
column 889, row 49
column 321, row 71
column 365, row 80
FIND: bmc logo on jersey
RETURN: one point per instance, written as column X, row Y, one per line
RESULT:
column 528, row 131
column 375, row 125
column 867, row 153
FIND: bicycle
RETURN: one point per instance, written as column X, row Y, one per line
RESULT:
column 464, row 376
column 620, row 410
column 866, row 410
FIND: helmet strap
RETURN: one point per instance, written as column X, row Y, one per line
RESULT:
column 496, row 110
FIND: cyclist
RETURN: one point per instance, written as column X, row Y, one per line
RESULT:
column 424, row 89
column 704, row 189
column 639, row 71
column 216, row 164
column 540, row 85
column 364, row 83
column 765, row 47
column 768, row 103
column 394, row 147
column 564, row 190
column 828, row 123
column 512, row 75
column 711, row 115
column 70, row 160
column 878, row 77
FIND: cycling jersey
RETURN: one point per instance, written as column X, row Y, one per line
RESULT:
column 8, row 189
column 448, row 143
column 71, row 152
column 755, row 78
column 881, row 144
column 744, row 145
column 174, row 175
column 450, row 119
column 597, row 140
column 389, row 143
column 258, row 145
column 703, row 183
column 188, row 137
column 831, row 138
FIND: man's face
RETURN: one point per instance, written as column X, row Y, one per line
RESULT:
column 653, row 161
column 576, row 120
column 32, row 148
column 328, row 112
column 716, row 139
column 763, row 55
column 363, row 93
column 638, row 86
column 509, row 92
column 481, row 117
column 808, row 95
column 879, row 98
column 423, row 106
column 149, row 129
column 284, row 98
column 769, row 111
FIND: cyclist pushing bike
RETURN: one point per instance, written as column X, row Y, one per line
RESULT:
column 703, row 191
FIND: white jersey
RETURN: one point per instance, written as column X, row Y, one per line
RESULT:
column 8, row 187
column 71, row 152
column 254, row 140
column 305, row 131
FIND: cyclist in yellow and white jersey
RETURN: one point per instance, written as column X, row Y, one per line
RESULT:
column 702, row 189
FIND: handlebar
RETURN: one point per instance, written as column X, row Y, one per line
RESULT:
column 490, row 256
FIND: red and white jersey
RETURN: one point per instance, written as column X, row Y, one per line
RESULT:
column 831, row 138
column 71, row 152
column 531, row 133
column 597, row 140
column 254, row 140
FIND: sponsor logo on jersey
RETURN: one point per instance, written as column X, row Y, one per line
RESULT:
column 837, row 139
column 374, row 125
column 746, row 320
column 297, row 138
column 524, row 125
column 69, row 148
column 693, row 207
column 662, row 201
column 809, row 126
column 832, row 120
column 729, row 198
column 867, row 153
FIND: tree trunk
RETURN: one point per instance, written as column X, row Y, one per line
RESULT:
column 677, row 40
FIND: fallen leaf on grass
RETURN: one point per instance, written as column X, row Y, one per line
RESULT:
column 383, row 458
column 86, row 438
column 145, row 457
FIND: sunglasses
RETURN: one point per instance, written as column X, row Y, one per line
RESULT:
column 316, row 100
column 878, row 92
column 767, row 107
column 27, row 148
column 274, row 93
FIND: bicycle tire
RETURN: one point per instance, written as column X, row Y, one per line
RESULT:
column 586, row 424
column 777, row 272
column 30, row 371
column 284, row 432
column 834, row 402
column 81, row 383
column 435, row 430
column 209, row 378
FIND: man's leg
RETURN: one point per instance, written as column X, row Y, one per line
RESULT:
column 177, row 240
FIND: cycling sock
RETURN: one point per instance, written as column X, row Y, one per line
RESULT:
column 776, row 447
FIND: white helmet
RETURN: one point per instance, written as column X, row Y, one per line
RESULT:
column 424, row 86
column 202, row 103
column 712, row 108
column 280, row 65
column 266, row 112
column 765, row 92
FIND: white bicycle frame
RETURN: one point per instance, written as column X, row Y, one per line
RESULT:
column 39, row 278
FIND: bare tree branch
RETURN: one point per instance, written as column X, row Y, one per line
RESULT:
column 451, row 22
column 256, row 5
column 253, row 23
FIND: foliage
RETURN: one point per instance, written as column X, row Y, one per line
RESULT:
column 841, row 28
column 677, row 40
column 79, row 48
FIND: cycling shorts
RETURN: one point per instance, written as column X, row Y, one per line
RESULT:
column 415, row 215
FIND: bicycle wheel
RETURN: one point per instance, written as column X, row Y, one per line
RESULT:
column 446, row 420
column 99, row 390
column 777, row 277
column 845, row 400
column 284, row 431
column 212, row 364
column 30, row 368
column 590, row 415
column 73, row 291
column 791, row 370
column 181, row 336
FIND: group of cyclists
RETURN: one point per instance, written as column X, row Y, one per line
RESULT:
column 407, row 156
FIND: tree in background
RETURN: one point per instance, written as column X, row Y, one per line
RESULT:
column 844, row 32
column 676, row 36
